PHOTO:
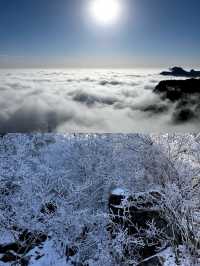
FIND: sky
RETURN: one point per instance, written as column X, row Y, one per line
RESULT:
column 63, row 33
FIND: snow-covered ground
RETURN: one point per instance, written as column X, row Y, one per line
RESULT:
column 66, row 100
column 60, row 185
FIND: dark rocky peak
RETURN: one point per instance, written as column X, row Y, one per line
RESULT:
column 180, row 72
column 175, row 89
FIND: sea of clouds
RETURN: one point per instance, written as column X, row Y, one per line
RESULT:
column 66, row 100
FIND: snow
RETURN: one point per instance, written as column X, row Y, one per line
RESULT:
column 6, row 237
column 120, row 192
column 49, row 256
column 6, row 264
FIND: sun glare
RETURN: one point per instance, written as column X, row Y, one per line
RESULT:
column 105, row 12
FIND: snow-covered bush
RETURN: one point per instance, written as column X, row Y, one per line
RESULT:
column 181, row 200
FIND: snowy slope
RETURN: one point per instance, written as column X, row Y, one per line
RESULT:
column 76, row 173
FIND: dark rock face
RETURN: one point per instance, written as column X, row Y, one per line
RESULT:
column 185, row 94
column 174, row 90
column 180, row 72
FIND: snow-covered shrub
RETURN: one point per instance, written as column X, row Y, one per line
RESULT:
column 181, row 200
column 74, row 175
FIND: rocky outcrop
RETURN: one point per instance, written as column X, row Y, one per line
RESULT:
column 138, row 214
column 175, row 90
column 180, row 72
column 185, row 94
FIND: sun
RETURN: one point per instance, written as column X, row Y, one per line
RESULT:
column 105, row 12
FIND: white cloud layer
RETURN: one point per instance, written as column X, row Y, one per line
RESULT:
column 85, row 101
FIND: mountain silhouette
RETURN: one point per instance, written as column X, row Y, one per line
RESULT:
column 180, row 72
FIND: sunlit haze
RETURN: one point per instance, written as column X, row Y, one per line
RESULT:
column 105, row 12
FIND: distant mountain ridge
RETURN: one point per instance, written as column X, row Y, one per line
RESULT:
column 180, row 72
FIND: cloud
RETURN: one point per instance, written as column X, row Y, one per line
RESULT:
column 34, row 117
column 187, row 109
column 112, row 82
column 88, row 101
column 92, row 99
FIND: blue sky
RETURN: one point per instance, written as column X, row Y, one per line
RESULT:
column 55, row 33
